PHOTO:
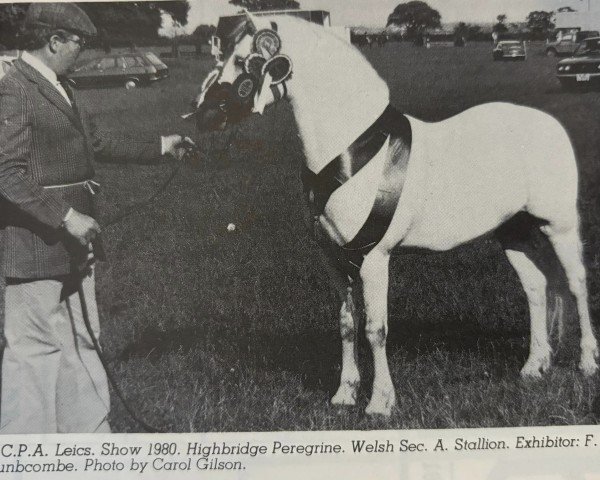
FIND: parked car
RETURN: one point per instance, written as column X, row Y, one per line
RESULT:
column 509, row 50
column 583, row 68
column 567, row 43
column 123, row 69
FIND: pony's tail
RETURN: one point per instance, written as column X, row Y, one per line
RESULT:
column 556, row 303
column 561, row 311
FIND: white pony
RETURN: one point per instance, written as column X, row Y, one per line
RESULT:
column 396, row 181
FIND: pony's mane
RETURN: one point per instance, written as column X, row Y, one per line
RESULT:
column 336, row 93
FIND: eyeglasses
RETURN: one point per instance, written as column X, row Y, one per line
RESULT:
column 79, row 41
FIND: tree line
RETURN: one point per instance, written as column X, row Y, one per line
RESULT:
column 117, row 22
column 416, row 17
column 126, row 22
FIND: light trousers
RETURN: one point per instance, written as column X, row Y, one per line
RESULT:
column 52, row 378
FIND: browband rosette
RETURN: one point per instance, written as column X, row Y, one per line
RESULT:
column 254, row 64
column 279, row 67
column 267, row 41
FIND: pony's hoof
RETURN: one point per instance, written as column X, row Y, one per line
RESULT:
column 346, row 395
column 588, row 366
column 589, row 356
column 381, row 404
column 535, row 370
column 531, row 374
column 381, row 410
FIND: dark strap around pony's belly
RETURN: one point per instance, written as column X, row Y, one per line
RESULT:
column 393, row 125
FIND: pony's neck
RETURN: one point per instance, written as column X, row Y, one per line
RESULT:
column 328, row 126
column 336, row 94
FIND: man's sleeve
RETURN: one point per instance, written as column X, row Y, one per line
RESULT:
column 118, row 147
column 16, row 186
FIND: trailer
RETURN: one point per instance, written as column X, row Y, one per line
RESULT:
column 577, row 21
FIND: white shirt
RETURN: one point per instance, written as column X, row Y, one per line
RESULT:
column 46, row 72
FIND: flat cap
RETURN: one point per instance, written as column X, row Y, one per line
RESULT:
column 65, row 16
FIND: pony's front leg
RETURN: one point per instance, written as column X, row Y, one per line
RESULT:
column 350, row 377
column 374, row 274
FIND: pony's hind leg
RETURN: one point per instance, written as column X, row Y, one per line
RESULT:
column 567, row 245
column 350, row 376
column 534, row 283
column 534, row 262
column 374, row 274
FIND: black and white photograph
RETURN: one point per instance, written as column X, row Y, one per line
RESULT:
column 299, row 216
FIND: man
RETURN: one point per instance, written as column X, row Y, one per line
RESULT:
column 52, row 379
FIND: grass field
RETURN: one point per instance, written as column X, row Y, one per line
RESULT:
column 215, row 331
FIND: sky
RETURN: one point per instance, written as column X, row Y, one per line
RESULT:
column 375, row 12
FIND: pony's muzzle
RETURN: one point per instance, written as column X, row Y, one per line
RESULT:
column 219, row 108
column 210, row 119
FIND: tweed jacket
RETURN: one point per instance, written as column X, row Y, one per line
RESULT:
column 45, row 142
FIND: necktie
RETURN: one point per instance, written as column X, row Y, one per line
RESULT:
column 64, row 83
column 69, row 91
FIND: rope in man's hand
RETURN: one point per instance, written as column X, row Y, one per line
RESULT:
column 183, row 148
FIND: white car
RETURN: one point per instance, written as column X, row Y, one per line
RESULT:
column 5, row 63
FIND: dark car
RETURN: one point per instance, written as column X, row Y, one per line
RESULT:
column 124, row 69
column 509, row 50
column 583, row 68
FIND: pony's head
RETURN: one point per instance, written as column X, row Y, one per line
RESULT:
column 248, row 79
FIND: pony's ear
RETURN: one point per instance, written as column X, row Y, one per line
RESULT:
column 274, row 26
column 250, row 24
column 250, row 28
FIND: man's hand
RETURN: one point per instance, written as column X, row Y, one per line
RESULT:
column 82, row 227
column 177, row 146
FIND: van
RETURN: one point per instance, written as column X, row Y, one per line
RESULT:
column 567, row 41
